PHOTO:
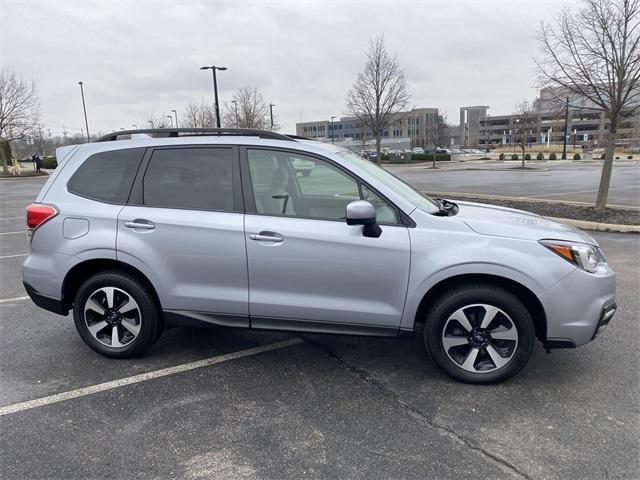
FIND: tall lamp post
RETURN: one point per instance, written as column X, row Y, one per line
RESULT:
column 170, row 119
column 271, row 105
column 176, row 114
column 213, row 69
column 566, row 126
column 84, row 107
column 332, row 133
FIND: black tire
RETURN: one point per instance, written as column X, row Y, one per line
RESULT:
column 149, row 316
column 472, row 296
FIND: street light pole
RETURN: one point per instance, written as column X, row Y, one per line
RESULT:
column 84, row 108
column 176, row 114
column 332, row 132
column 271, row 105
column 235, row 104
column 566, row 126
column 170, row 119
column 213, row 69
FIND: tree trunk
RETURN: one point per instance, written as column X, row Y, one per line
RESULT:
column 378, row 156
column 607, row 167
column 523, row 150
column 3, row 159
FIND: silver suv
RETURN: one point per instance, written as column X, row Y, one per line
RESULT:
column 149, row 229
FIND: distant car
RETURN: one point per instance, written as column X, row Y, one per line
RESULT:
column 443, row 150
column 215, row 228
column 305, row 167
column 417, row 150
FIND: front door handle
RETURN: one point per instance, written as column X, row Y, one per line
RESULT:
column 266, row 237
column 141, row 224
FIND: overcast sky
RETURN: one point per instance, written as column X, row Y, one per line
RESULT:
column 137, row 56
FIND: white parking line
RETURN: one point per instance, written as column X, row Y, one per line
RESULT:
column 12, row 233
column 143, row 377
column 14, row 299
column 14, row 256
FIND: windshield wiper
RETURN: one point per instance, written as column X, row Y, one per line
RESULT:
column 446, row 208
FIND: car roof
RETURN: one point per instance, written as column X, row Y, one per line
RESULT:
column 146, row 141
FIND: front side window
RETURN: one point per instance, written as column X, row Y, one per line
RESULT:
column 293, row 184
column 190, row 178
column 107, row 176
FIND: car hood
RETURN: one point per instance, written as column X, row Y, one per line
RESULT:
column 509, row 222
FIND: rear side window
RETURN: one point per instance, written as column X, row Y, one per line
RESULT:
column 107, row 176
column 190, row 178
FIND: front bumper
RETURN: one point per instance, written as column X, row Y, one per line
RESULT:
column 579, row 306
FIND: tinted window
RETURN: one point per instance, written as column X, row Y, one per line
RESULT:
column 191, row 178
column 107, row 176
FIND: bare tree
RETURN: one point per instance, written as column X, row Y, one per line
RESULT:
column 594, row 54
column 19, row 110
column 524, row 125
column 379, row 92
column 152, row 121
column 198, row 116
column 248, row 109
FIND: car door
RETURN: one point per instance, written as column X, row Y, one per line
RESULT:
column 308, row 269
column 183, row 227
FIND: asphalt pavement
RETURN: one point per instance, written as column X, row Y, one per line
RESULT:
column 554, row 180
column 321, row 406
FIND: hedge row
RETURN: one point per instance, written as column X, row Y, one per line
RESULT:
column 49, row 162
column 416, row 157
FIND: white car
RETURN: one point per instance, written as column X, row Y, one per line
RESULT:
column 305, row 167
column 418, row 150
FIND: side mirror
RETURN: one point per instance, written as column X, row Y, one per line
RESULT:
column 361, row 212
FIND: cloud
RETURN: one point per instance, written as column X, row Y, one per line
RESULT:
column 137, row 56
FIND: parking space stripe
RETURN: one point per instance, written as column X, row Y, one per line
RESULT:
column 143, row 377
column 14, row 299
column 14, row 256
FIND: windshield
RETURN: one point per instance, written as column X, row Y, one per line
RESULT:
column 399, row 186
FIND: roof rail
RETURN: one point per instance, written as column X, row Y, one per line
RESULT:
column 298, row 137
column 194, row 132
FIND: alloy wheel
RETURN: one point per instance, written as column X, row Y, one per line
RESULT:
column 480, row 338
column 112, row 317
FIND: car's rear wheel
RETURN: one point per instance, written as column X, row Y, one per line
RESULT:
column 116, row 315
column 479, row 334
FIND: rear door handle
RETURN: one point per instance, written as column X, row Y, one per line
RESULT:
column 266, row 237
column 141, row 224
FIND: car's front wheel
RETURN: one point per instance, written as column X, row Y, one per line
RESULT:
column 116, row 315
column 479, row 334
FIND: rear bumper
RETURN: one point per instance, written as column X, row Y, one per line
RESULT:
column 578, row 307
column 54, row 305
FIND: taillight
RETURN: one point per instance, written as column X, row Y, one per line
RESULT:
column 37, row 214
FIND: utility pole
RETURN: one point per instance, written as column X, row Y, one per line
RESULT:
column 271, row 105
column 84, row 107
column 566, row 126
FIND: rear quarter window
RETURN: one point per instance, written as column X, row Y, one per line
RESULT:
column 107, row 176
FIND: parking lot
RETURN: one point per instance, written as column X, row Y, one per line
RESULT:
column 576, row 181
column 243, row 404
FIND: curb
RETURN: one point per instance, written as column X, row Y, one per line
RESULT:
column 598, row 227
column 486, row 196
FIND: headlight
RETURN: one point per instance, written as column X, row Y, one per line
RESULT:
column 581, row 255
